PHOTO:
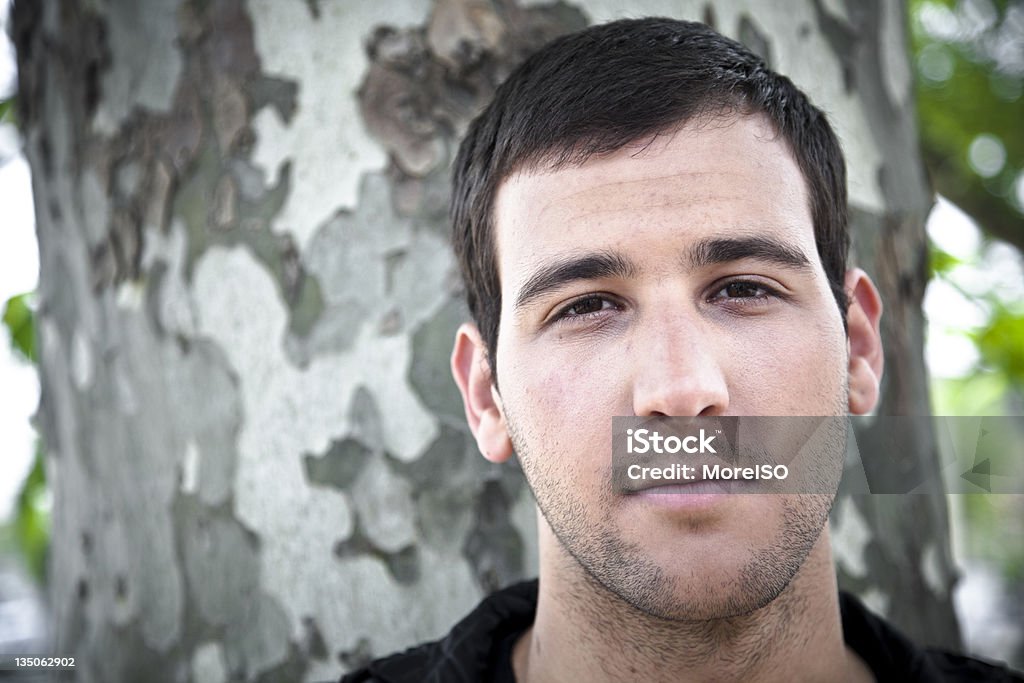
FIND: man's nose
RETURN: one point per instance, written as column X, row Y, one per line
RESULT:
column 678, row 371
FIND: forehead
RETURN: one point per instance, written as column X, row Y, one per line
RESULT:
column 725, row 177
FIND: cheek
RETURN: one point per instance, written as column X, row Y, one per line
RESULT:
column 801, row 370
column 571, row 382
column 565, row 406
column 573, row 399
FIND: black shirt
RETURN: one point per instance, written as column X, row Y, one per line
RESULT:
column 479, row 648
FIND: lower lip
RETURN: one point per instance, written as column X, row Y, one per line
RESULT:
column 698, row 494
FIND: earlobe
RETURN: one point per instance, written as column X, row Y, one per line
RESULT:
column 866, row 357
column 484, row 412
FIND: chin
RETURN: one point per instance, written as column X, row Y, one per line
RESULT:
column 707, row 596
column 715, row 578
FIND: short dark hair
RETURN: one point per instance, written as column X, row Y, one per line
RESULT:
column 595, row 91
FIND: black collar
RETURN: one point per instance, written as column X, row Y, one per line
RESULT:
column 471, row 652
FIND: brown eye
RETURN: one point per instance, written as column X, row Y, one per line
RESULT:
column 743, row 290
column 744, row 293
column 587, row 308
column 591, row 304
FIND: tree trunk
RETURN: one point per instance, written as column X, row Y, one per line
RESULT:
column 260, row 466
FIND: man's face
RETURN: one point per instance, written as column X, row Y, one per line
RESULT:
column 673, row 278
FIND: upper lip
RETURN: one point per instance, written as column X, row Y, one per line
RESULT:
column 634, row 486
column 676, row 425
column 696, row 476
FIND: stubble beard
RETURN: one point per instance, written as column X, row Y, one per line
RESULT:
column 609, row 563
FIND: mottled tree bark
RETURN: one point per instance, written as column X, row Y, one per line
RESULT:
column 260, row 466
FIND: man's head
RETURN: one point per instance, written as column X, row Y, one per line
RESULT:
column 591, row 93
column 656, row 225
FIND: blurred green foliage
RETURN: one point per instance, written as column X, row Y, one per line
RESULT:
column 968, row 59
column 970, row 101
column 19, row 321
column 32, row 520
column 1001, row 342
column 997, row 383
column 31, row 526
column 969, row 65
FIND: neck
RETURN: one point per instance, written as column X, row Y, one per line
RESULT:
column 584, row 632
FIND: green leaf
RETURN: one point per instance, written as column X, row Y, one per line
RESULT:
column 940, row 262
column 1001, row 342
column 20, row 320
column 32, row 519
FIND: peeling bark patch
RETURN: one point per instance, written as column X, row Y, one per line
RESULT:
column 384, row 504
column 291, row 412
column 225, row 200
column 851, row 535
column 391, row 323
column 360, row 655
column 397, row 100
column 931, row 570
column 336, row 155
column 392, row 261
column 841, row 35
column 462, row 32
column 751, row 36
column 425, row 198
column 365, row 420
column 447, row 463
column 893, row 58
column 314, row 8
column 239, row 300
column 494, row 547
column 339, row 466
column 230, row 113
column 279, row 93
column 432, row 380
column 403, row 564
column 364, row 280
column 221, row 564
column 423, row 85
column 230, row 215
column 208, row 664
column 28, row 37
column 81, row 360
column 128, row 82
column 136, row 589
column 120, row 588
column 154, row 123
column 198, row 144
column 264, row 645
column 313, row 640
column 708, row 16
column 876, row 601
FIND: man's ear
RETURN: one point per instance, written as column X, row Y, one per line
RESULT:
column 472, row 372
column 864, row 341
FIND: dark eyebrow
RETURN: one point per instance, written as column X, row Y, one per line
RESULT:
column 561, row 272
column 723, row 250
